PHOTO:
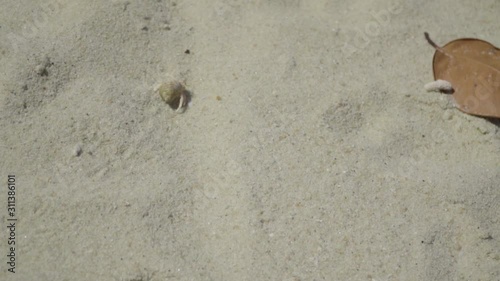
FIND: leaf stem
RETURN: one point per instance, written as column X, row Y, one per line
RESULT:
column 439, row 49
column 428, row 38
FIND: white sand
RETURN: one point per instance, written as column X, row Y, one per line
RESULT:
column 324, row 159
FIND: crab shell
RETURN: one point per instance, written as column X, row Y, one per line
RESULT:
column 171, row 92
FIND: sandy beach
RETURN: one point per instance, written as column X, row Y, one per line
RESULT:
column 309, row 150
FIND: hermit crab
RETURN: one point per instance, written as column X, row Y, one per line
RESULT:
column 174, row 93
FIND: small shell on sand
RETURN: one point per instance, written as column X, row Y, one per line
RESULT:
column 171, row 91
column 77, row 150
column 439, row 86
column 174, row 93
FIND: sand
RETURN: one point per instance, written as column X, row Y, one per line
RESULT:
column 310, row 149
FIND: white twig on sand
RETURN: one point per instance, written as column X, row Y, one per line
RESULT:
column 438, row 86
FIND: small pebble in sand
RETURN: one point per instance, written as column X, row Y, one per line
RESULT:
column 174, row 93
column 41, row 69
column 77, row 150
column 439, row 86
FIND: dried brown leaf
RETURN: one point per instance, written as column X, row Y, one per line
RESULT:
column 472, row 66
